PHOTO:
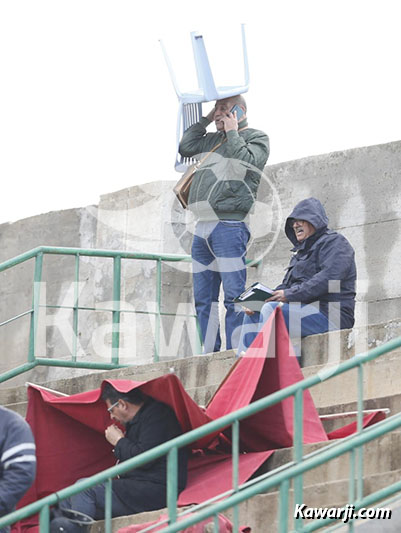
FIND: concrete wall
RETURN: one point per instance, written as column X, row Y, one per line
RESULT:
column 360, row 189
column 74, row 227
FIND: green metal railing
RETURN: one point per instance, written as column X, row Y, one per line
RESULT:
column 280, row 478
column 38, row 255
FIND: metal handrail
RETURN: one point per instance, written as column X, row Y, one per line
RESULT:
column 117, row 255
column 282, row 478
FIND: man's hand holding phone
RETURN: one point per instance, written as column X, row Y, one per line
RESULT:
column 232, row 118
column 237, row 111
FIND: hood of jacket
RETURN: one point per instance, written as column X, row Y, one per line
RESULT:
column 310, row 210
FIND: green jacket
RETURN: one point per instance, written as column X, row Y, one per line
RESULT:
column 222, row 186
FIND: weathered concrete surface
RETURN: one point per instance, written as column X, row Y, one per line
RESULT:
column 341, row 345
column 201, row 375
column 195, row 372
column 392, row 402
column 375, row 460
column 142, row 219
column 67, row 228
column 343, row 388
column 360, row 189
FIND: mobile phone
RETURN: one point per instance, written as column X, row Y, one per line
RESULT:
column 239, row 111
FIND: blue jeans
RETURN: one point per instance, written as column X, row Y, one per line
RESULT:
column 301, row 321
column 218, row 257
column 92, row 502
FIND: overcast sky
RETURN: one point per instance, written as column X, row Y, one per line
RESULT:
column 87, row 106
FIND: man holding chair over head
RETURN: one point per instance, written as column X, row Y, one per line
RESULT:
column 221, row 196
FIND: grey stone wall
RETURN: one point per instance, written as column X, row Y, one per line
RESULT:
column 72, row 228
column 359, row 188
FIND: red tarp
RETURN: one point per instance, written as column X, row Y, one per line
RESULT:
column 268, row 366
column 368, row 420
column 69, row 431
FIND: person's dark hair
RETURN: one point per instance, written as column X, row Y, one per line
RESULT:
column 134, row 396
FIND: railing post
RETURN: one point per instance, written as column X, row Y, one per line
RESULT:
column 359, row 451
column 158, row 309
column 235, row 460
column 75, row 311
column 172, row 484
column 216, row 523
column 199, row 343
column 108, row 509
column 283, row 506
column 35, row 306
column 298, row 448
column 44, row 519
column 351, row 486
column 116, row 309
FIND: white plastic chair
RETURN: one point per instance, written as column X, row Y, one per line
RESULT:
column 190, row 104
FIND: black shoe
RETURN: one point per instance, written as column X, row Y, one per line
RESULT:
column 69, row 521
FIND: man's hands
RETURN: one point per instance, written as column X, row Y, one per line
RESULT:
column 230, row 121
column 278, row 296
column 113, row 434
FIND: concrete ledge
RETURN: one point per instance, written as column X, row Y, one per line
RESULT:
column 381, row 379
column 344, row 344
column 202, row 374
column 380, row 455
column 390, row 402
column 198, row 371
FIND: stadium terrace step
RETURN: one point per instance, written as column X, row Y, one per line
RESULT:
column 194, row 372
column 261, row 511
column 393, row 403
column 19, row 407
column 381, row 378
column 209, row 370
column 328, row 394
column 380, row 455
column 348, row 342
column 202, row 374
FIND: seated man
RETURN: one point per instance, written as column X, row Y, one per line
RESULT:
column 148, row 423
column 318, row 291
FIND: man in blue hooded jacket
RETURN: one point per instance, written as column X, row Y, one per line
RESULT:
column 318, row 291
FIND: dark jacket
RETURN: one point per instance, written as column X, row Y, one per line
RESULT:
column 17, row 459
column 224, row 187
column 326, row 255
column 144, row 488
